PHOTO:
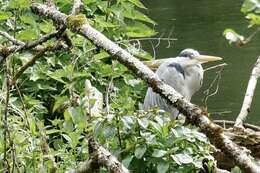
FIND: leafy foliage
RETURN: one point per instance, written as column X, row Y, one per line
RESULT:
column 151, row 142
column 251, row 8
column 42, row 134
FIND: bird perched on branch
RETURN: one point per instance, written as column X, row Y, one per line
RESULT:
column 184, row 73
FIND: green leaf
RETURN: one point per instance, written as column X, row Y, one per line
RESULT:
column 162, row 167
column 159, row 153
column 59, row 101
column 101, row 55
column 5, row 15
column 46, row 26
column 156, row 126
column 127, row 160
column 19, row 138
column 200, row 136
column 254, row 19
column 236, row 170
column 28, row 19
column 32, row 127
column 133, row 14
column 137, row 29
column 28, row 34
column 86, row 2
column 67, row 138
column 250, row 5
column 19, row 4
column 233, row 37
column 182, row 158
column 51, row 131
column 45, row 87
column 137, row 3
column 102, row 22
column 143, row 122
column 68, row 125
column 139, row 151
column 77, row 116
column 140, row 53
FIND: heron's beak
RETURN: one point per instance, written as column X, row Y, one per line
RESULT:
column 206, row 58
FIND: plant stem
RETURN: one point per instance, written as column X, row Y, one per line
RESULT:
column 6, row 114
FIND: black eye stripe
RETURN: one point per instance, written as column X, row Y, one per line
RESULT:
column 178, row 67
column 186, row 55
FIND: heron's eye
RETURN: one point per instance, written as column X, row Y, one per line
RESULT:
column 187, row 55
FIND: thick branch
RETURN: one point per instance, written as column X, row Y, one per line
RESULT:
column 245, row 109
column 99, row 156
column 193, row 113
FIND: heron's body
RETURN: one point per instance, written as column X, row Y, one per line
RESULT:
column 184, row 73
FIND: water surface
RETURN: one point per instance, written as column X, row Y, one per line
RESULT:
column 199, row 24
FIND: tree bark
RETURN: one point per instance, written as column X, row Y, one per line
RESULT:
column 245, row 109
column 99, row 156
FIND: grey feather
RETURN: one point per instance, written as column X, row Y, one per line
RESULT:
column 182, row 75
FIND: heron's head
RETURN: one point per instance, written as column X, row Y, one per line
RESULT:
column 191, row 57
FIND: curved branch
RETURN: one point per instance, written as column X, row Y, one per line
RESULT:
column 193, row 113
column 99, row 156
column 245, row 109
column 11, row 38
column 5, row 51
column 30, row 63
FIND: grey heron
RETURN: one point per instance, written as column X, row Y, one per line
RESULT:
column 184, row 73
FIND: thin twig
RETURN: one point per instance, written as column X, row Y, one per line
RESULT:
column 23, row 106
column 34, row 59
column 215, row 80
column 151, row 38
column 5, row 51
column 41, row 40
column 12, row 39
column 250, row 37
column 109, row 88
column 245, row 109
column 159, row 40
column 6, row 130
column 77, row 6
column 216, row 66
column 169, row 37
column 153, row 48
column 232, row 123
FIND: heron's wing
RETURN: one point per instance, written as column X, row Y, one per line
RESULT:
column 153, row 99
column 173, row 74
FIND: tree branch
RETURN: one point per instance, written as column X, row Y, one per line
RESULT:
column 193, row 113
column 77, row 6
column 5, row 118
column 99, row 157
column 245, row 109
column 6, row 51
column 34, row 59
column 12, row 39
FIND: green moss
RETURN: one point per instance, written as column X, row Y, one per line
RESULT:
column 75, row 21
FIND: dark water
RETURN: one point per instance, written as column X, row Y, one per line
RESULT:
column 199, row 24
